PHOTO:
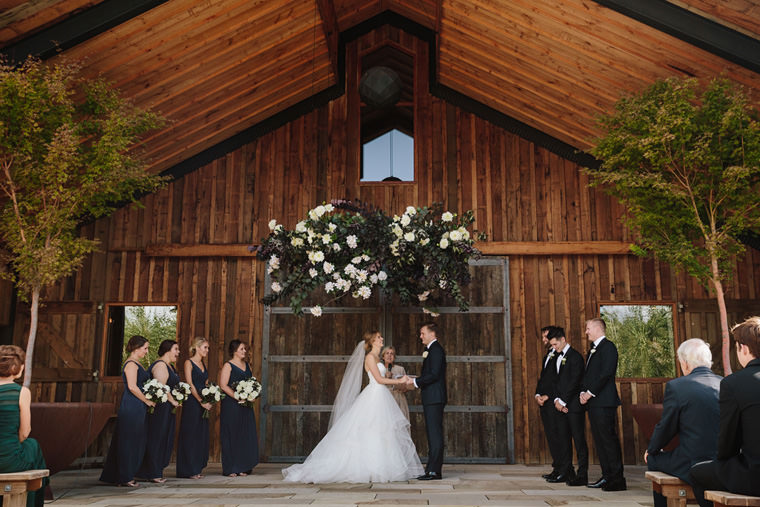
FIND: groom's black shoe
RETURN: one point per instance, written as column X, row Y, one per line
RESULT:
column 430, row 476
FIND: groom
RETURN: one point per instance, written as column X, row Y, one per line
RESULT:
column 432, row 381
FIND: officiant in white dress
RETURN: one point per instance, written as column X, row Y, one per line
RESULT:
column 368, row 438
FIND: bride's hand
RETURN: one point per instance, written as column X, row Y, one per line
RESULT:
column 402, row 380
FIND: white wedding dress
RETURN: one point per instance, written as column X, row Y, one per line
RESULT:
column 370, row 442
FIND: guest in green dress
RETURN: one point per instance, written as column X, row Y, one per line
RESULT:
column 18, row 452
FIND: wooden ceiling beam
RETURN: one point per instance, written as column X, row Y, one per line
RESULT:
column 330, row 30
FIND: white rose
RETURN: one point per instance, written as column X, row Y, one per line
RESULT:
column 365, row 292
column 424, row 241
column 301, row 226
column 382, row 275
column 411, row 210
column 296, row 241
column 365, row 257
column 444, row 243
column 373, row 278
column 329, row 287
column 465, row 234
column 204, row 391
column 356, row 260
column 447, row 216
column 409, row 236
column 455, row 235
column 217, row 397
column 313, row 215
column 319, row 256
column 397, row 231
column 332, row 226
column 326, row 239
column 148, row 396
column 328, row 267
column 272, row 224
column 351, row 241
column 320, row 210
column 329, row 208
column 405, row 220
column 276, row 287
column 316, row 310
column 336, row 247
column 313, row 272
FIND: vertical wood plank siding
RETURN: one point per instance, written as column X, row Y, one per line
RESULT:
column 518, row 191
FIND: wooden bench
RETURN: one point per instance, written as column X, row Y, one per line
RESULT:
column 677, row 492
column 723, row 498
column 13, row 486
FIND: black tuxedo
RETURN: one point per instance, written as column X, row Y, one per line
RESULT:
column 689, row 410
column 571, row 426
column 432, row 382
column 599, row 379
column 546, row 386
column 737, row 467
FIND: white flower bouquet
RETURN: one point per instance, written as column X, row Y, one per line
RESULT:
column 211, row 394
column 246, row 391
column 350, row 248
column 181, row 392
column 156, row 392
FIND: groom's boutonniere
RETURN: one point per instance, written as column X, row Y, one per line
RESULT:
column 424, row 354
column 564, row 359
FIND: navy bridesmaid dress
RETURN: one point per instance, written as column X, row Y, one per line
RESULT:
column 161, row 426
column 127, row 448
column 240, row 446
column 192, row 445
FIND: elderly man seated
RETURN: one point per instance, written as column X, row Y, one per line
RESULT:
column 690, row 410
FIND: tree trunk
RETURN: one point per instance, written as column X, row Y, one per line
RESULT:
column 35, row 313
column 721, row 297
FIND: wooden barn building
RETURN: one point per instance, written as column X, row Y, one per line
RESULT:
column 266, row 120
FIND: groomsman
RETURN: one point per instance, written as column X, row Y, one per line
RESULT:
column 544, row 393
column 571, row 415
column 599, row 394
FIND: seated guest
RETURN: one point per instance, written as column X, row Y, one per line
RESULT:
column 689, row 410
column 393, row 370
column 737, row 467
column 18, row 453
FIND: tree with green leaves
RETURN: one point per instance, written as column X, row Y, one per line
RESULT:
column 155, row 323
column 66, row 155
column 685, row 162
column 644, row 337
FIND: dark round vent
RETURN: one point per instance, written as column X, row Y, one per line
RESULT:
column 380, row 87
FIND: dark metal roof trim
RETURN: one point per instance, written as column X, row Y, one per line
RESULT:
column 692, row 28
column 78, row 28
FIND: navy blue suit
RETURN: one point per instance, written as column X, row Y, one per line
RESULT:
column 599, row 379
column 432, row 382
column 737, row 467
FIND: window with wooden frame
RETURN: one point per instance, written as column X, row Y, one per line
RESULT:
column 386, row 89
column 644, row 334
column 156, row 322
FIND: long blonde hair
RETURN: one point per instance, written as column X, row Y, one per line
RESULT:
column 199, row 340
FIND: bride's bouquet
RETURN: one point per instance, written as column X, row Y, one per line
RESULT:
column 212, row 393
column 181, row 392
column 155, row 391
column 246, row 391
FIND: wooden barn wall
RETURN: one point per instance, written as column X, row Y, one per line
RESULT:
column 518, row 191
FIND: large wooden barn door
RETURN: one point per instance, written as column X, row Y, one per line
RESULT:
column 303, row 361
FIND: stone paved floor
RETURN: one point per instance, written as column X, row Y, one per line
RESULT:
column 470, row 485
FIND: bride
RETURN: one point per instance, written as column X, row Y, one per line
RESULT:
column 368, row 436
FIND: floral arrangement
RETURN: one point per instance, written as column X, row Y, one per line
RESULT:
column 155, row 391
column 347, row 247
column 246, row 391
column 212, row 394
column 181, row 392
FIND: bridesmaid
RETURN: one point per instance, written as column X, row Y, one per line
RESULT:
column 240, row 447
column 162, row 422
column 192, row 445
column 18, row 453
column 128, row 441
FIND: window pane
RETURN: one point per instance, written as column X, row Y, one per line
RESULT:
column 156, row 323
column 390, row 155
column 644, row 338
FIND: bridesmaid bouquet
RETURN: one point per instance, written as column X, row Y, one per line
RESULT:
column 212, row 393
column 246, row 391
column 155, row 391
column 180, row 393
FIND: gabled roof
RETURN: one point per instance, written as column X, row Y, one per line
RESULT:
column 223, row 70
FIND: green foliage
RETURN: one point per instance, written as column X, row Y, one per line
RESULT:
column 644, row 337
column 64, row 157
column 349, row 248
column 685, row 162
column 154, row 323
